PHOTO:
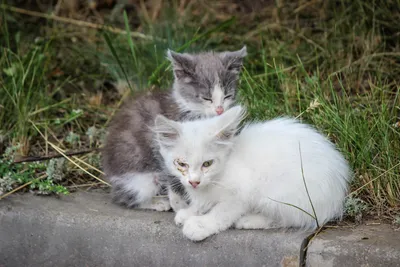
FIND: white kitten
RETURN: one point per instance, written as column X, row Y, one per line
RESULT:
column 244, row 180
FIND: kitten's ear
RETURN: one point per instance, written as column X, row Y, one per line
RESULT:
column 183, row 65
column 228, row 124
column 166, row 131
column 233, row 61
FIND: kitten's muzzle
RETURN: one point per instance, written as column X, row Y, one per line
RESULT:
column 194, row 184
column 219, row 110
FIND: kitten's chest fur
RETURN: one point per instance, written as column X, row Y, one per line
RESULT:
column 129, row 146
column 207, row 198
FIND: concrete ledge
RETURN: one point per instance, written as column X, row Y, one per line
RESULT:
column 85, row 229
column 365, row 245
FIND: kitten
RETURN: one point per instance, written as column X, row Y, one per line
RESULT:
column 205, row 85
column 245, row 179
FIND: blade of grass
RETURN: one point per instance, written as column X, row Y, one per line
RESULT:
column 115, row 55
column 49, row 107
column 294, row 206
column 5, row 27
column 305, row 185
column 129, row 38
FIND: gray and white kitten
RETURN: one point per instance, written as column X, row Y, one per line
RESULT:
column 205, row 85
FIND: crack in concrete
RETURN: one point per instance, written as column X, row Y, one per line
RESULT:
column 304, row 248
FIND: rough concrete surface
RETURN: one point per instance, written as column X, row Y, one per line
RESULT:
column 85, row 229
column 366, row 245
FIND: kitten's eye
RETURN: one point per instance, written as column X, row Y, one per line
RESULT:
column 181, row 164
column 228, row 96
column 207, row 163
column 207, row 99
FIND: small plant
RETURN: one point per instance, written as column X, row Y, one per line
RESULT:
column 73, row 139
column 6, row 182
column 355, row 207
column 56, row 169
column 47, row 187
column 94, row 160
column 9, row 154
column 33, row 173
column 96, row 136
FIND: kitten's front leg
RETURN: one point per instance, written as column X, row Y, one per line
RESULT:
column 221, row 217
column 184, row 214
column 176, row 195
column 176, row 201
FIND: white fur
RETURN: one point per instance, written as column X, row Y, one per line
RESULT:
column 254, row 221
column 157, row 203
column 143, row 186
column 217, row 96
column 176, row 201
column 254, row 173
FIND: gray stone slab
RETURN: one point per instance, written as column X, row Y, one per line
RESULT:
column 86, row 229
column 365, row 245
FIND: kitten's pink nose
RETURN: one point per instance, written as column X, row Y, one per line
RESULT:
column 194, row 184
column 219, row 110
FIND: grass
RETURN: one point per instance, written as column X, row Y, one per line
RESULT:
column 334, row 64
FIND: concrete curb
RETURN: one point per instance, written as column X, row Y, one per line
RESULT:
column 85, row 229
column 364, row 245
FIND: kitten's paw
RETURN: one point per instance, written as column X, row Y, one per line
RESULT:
column 253, row 221
column 182, row 215
column 198, row 228
column 158, row 204
column 161, row 206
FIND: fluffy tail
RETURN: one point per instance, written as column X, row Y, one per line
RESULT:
column 135, row 189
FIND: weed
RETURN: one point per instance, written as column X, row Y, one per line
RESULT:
column 6, row 181
column 56, row 169
column 47, row 187
column 13, row 175
column 73, row 139
column 355, row 207
column 96, row 136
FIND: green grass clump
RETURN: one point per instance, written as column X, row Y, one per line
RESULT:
column 41, row 177
column 334, row 64
column 362, row 126
column 25, row 97
column 22, row 91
